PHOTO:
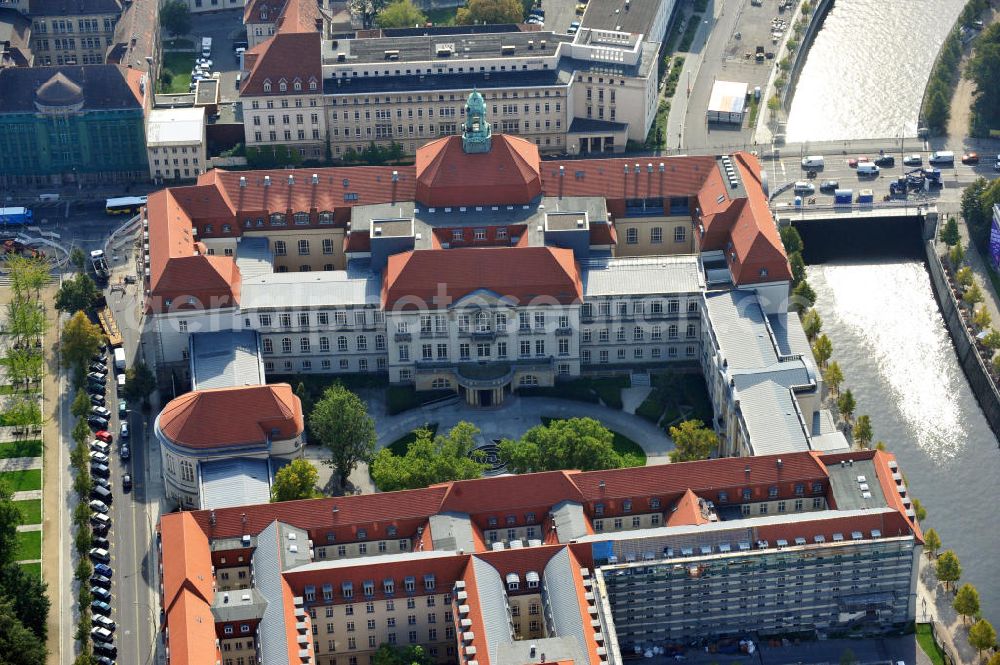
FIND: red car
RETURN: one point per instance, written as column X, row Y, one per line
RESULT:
column 103, row 435
column 853, row 161
column 970, row 158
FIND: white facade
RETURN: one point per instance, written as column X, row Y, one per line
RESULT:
column 295, row 119
column 175, row 144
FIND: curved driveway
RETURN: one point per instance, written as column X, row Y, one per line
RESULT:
column 519, row 414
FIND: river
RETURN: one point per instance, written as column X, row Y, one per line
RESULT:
column 865, row 72
column 898, row 360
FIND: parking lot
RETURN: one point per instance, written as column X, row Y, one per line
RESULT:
column 224, row 28
column 559, row 14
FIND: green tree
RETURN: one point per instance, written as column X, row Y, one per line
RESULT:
column 304, row 396
column 812, row 324
column 964, row 276
column 973, row 295
column 81, row 432
column 24, row 366
column 956, row 255
column 367, row 10
column 175, row 17
column 977, row 219
column 27, row 595
column 77, row 293
column 822, row 350
column 341, row 423
column 774, row 103
column 848, row 658
column 18, row 644
column 846, row 404
column 429, row 460
column 791, row 239
column 388, row 654
column 81, row 404
column 938, row 110
column 295, row 480
column 692, row 441
column 10, row 518
column 78, row 259
column 932, row 542
column 400, row 14
column 981, row 318
column 994, row 659
column 919, row 510
column 803, row 296
column 948, row 568
column 490, row 11
column 982, row 636
column 949, row 232
column 575, row 443
column 140, row 382
column 880, row 445
column 863, row 431
column 80, row 341
column 966, row 602
column 992, row 340
column 27, row 275
column 798, row 266
column 833, row 376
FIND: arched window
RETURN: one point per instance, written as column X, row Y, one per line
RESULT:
column 267, row 85
column 286, row 345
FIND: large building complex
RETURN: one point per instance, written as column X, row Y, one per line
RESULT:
column 558, row 567
column 578, row 94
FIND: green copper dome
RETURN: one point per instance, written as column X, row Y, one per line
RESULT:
column 477, row 134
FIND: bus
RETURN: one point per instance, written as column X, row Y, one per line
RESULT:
column 126, row 205
column 17, row 216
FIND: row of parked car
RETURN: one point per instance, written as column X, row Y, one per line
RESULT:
column 103, row 629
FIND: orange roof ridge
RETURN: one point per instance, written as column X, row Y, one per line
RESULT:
column 185, row 546
column 687, row 511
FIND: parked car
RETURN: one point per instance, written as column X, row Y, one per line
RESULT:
column 126, row 483
column 103, row 569
column 122, row 408
column 829, row 186
column 97, row 422
column 100, row 555
column 803, row 187
column 123, row 431
column 99, row 506
column 106, row 649
column 101, row 482
column 885, row 161
column 100, row 493
column 100, row 607
column 100, row 593
column 101, row 470
column 104, row 436
column 98, row 366
column 125, row 453
column 99, row 446
column 97, row 399
column 970, row 158
column 104, row 660
column 103, row 543
column 101, row 411
column 101, row 529
column 96, row 377
column 854, row 161
column 98, row 457
column 813, row 162
column 103, row 621
column 100, row 580
column 95, row 388
column 101, row 520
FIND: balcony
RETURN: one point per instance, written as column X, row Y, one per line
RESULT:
column 564, row 332
column 402, row 337
column 485, row 375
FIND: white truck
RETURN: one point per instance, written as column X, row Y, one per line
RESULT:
column 206, row 47
column 119, row 359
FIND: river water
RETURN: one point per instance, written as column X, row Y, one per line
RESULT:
column 898, row 360
column 865, row 73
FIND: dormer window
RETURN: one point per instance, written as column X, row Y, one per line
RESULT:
column 312, row 84
column 297, row 85
column 282, row 85
column 263, row 15
column 267, row 85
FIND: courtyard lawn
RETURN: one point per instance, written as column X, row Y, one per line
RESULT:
column 632, row 452
column 29, row 546
column 179, row 65
column 400, row 445
column 31, row 511
column 21, row 481
column 593, row 390
column 926, row 641
column 33, row 569
column 675, row 396
column 26, row 448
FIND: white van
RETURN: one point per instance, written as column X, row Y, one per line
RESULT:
column 942, row 157
column 867, row 168
column 812, row 162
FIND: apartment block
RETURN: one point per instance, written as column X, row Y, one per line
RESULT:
column 73, row 33
column 569, row 566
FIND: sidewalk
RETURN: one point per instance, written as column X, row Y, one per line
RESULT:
column 934, row 604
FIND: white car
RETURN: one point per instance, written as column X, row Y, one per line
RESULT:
column 803, row 187
column 99, row 457
column 99, row 446
column 204, row 62
column 812, row 162
column 99, row 506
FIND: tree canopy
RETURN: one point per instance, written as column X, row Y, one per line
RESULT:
column 490, row 11
column 78, row 293
column 822, row 349
column 340, row 422
column 400, row 14
column 175, row 17
column 429, row 459
column 966, row 601
column 140, row 382
column 388, row 654
column 18, row 644
column 948, row 568
column 983, row 69
column 295, row 480
column 982, row 635
column 833, row 376
column 846, row 404
column 367, row 10
column 863, row 434
column 692, row 441
column 949, row 232
column 80, row 341
column 575, row 443
column 932, row 542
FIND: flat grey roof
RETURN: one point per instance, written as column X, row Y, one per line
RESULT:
column 424, row 48
column 772, row 419
column 238, row 605
column 253, row 257
column 309, row 290
column 452, row 531
column 225, row 359
column 235, row 482
column 570, row 521
column 374, row 560
column 647, row 275
column 613, row 15
column 847, row 489
column 555, row 649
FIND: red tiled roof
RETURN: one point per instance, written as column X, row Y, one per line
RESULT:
column 437, row 278
column 185, row 546
column 475, row 616
column 253, row 8
column 192, row 630
column 687, row 511
column 603, row 233
column 299, row 16
column 582, row 604
column 287, row 56
column 448, row 176
column 232, row 417
column 358, row 241
column 889, row 524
